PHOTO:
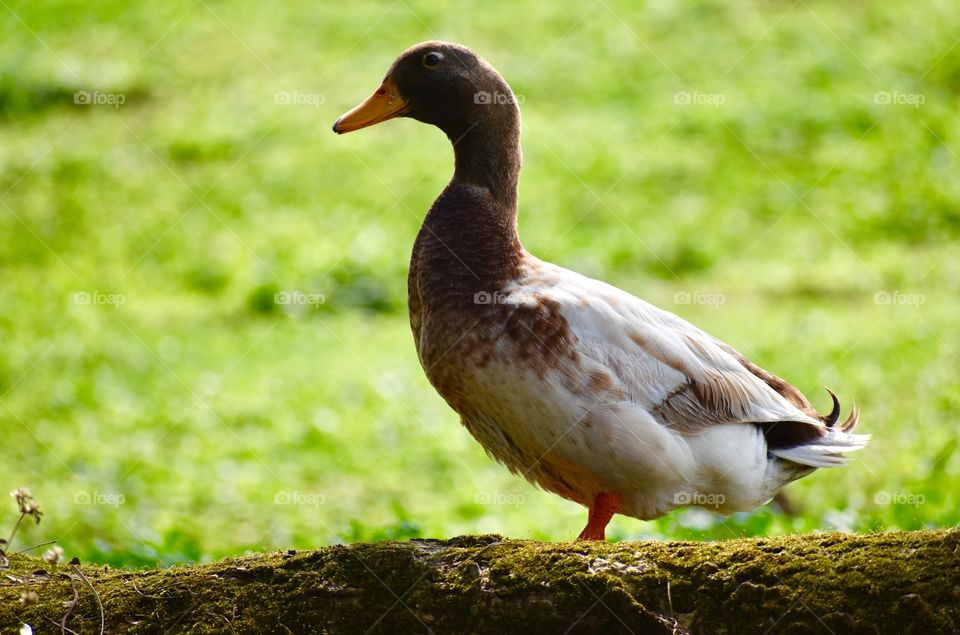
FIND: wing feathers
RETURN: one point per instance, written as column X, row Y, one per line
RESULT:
column 688, row 380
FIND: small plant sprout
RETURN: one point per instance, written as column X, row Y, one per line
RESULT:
column 25, row 501
column 54, row 554
column 28, row 507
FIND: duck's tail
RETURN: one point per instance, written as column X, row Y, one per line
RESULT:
column 828, row 448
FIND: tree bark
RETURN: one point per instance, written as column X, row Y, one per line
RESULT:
column 904, row 582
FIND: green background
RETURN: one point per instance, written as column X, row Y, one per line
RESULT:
column 811, row 218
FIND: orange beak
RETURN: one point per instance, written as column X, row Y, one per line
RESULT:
column 385, row 103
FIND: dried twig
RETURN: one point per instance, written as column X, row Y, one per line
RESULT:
column 63, row 627
column 42, row 544
column 103, row 616
column 137, row 589
column 13, row 532
column 73, row 605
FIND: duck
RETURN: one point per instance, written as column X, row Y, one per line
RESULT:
column 577, row 386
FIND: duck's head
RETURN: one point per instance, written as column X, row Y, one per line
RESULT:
column 439, row 83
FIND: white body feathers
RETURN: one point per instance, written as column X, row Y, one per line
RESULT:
column 654, row 409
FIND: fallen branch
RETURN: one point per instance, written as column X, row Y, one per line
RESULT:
column 886, row 582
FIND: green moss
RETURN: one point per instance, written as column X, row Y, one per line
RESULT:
column 907, row 582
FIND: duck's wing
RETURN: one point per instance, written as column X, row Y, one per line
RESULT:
column 685, row 378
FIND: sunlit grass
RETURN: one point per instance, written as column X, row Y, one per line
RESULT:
column 199, row 418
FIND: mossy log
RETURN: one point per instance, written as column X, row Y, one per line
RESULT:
column 825, row 582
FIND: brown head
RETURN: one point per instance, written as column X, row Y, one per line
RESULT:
column 453, row 88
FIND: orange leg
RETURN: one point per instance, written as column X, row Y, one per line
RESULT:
column 605, row 505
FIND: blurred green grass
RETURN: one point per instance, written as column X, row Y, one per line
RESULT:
column 200, row 418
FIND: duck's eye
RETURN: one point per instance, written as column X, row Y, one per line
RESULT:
column 432, row 58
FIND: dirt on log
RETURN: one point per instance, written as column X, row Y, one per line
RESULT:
column 902, row 582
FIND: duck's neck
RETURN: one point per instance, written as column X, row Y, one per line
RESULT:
column 487, row 154
column 469, row 241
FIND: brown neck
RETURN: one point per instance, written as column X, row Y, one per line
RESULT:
column 487, row 154
column 469, row 243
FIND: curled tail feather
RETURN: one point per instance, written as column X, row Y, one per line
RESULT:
column 828, row 447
